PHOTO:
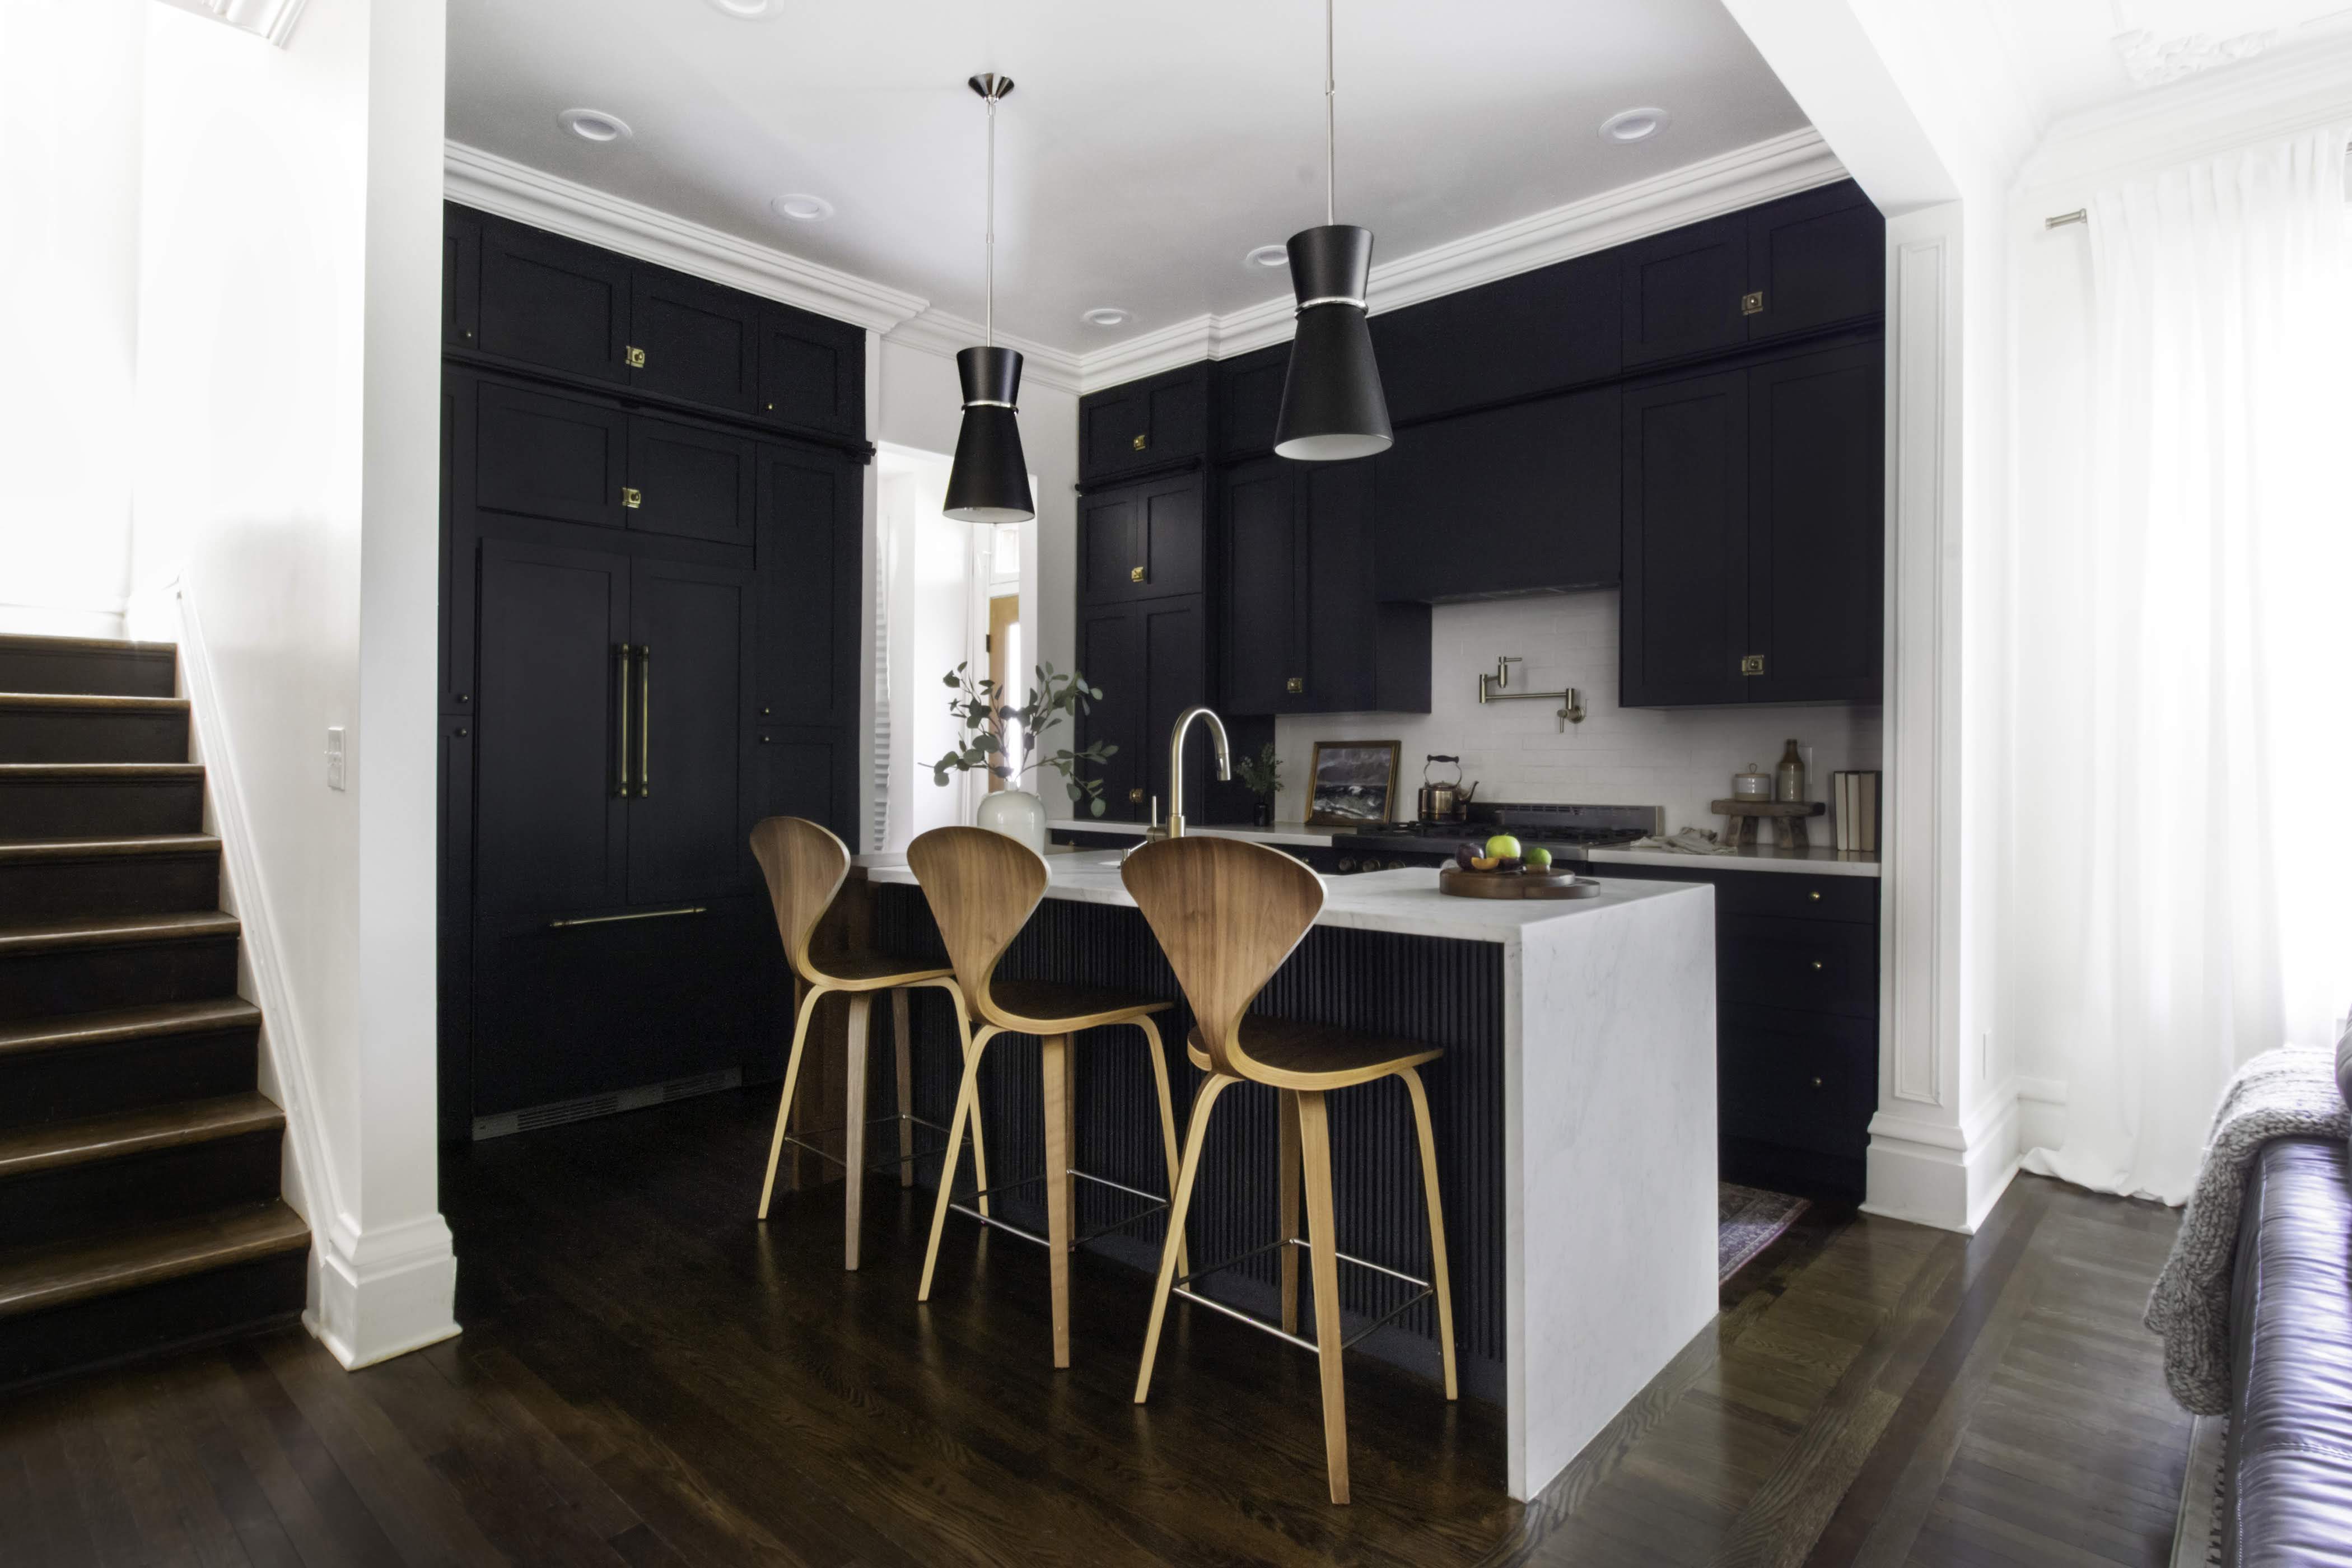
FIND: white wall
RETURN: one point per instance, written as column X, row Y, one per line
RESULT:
column 69, row 147
column 1679, row 759
column 287, row 436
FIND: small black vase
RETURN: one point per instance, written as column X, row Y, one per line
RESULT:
column 1262, row 813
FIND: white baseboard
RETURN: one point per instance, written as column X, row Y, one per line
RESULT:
column 1932, row 1173
column 383, row 1294
column 2041, row 1113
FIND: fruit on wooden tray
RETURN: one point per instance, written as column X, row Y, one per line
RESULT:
column 1539, row 858
column 1486, row 863
column 1503, row 846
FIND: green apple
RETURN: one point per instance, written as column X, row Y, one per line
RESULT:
column 1502, row 846
column 1539, row 858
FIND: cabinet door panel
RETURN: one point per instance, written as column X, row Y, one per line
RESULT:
column 1342, row 616
column 699, row 341
column 1263, row 642
column 802, row 773
column 1111, row 547
column 1110, row 656
column 461, row 277
column 1504, row 501
column 687, row 822
column 549, row 301
column 1146, row 424
column 811, row 372
column 1116, row 432
column 1819, row 258
column 549, row 824
column 809, row 553
column 1816, row 529
column 1176, row 677
column 1802, row 1080
column 691, row 482
column 543, row 454
column 1173, row 537
column 1681, row 290
column 1685, row 603
column 1539, row 331
column 1249, row 399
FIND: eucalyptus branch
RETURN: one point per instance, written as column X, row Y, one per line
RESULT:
column 987, row 718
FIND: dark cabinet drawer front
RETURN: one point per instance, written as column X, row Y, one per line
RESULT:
column 690, row 482
column 1797, row 897
column 698, row 340
column 1830, row 966
column 1800, row 1080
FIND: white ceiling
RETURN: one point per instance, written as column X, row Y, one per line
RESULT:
column 2072, row 56
column 1146, row 148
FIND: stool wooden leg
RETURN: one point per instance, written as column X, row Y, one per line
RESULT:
column 1287, row 1111
column 966, row 1110
column 1196, row 1134
column 1437, row 1275
column 901, row 1041
column 1055, row 1054
column 792, row 1081
column 1167, row 1122
column 1323, row 1242
column 853, row 1175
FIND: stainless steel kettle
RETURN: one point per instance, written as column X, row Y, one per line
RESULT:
column 1443, row 800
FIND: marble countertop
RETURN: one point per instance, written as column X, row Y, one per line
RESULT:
column 1405, row 902
column 1280, row 833
column 1748, row 857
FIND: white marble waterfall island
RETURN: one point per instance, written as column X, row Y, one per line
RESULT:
column 1574, row 1113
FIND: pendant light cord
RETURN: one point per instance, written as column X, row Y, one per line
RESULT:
column 1331, row 133
column 988, row 295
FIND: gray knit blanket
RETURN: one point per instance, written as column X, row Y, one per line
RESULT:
column 2286, row 1093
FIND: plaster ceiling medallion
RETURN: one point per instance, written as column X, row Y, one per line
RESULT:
column 2152, row 62
column 1635, row 124
column 988, row 481
column 595, row 125
column 1105, row 316
column 802, row 207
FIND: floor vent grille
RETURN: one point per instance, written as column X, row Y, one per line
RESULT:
column 556, row 1112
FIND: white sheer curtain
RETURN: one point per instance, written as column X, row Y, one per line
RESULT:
column 2205, row 753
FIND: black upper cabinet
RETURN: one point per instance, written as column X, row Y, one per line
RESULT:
column 1249, row 400
column 461, row 277
column 550, row 302
column 692, row 340
column 1684, row 630
column 1540, row 331
column 1148, row 423
column 1817, row 537
column 1151, row 661
column 811, row 372
column 1511, row 500
column 1800, row 263
column 1264, row 641
column 1143, row 541
column 811, row 509
column 689, row 481
column 543, row 454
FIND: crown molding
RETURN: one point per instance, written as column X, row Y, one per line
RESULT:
column 271, row 20
column 944, row 332
column 1798, row 160
column 474, row 178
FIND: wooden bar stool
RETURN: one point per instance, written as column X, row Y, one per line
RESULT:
column 1227, row 913
column 805, row 866
column 983, row 887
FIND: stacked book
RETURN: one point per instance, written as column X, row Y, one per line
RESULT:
column 1855, row 794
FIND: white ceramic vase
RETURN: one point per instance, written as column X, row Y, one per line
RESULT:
column 1014, row 813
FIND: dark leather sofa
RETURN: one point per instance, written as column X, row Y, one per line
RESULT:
column 2288, row 1465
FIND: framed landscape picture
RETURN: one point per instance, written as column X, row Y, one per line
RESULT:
column 1351, row 782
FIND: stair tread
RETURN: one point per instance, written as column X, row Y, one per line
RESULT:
column 30, row 642
column 61, row 773
column 129, row 1023
column 23, row 1149
column 108, row 929
column 65, row 700
column 19, row 850
column 56, row 1275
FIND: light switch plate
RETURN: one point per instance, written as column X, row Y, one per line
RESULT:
column 334, row 756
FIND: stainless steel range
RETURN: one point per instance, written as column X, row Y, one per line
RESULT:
column 1567, row 831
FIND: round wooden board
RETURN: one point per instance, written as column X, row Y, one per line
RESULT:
column 1461, row 884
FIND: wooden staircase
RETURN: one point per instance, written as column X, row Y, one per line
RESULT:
column 139, row 1165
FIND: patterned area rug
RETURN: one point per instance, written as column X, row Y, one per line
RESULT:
column 1746, row 1221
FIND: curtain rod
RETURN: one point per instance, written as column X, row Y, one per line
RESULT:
column 2082, row 214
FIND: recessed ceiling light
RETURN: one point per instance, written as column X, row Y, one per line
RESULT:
column 1270, row 255
column 802, row 207
column 1635, row 124
column 1105, row 316
column 749, row 10
column 594, row 125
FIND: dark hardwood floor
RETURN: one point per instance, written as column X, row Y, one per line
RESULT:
column 649, row 1377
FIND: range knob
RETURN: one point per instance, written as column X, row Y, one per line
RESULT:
column 1347, row 864
column 1396, row 866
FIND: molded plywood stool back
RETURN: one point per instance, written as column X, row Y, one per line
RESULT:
column 983, row 887
column 1227, row 913
column 805, row 864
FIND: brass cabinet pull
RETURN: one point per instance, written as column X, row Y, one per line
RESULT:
column 633, row 915
column 620, row 735
column 1296, row 685
column 1752, row 664
column 1143, row 440
column 635, row 357
column 1817, row 963
column 645, row 719
column 1752, row 303
column 632, row 497
column 1817, row 1083
column 1815, row 895
column 1135, row 574
column 1135, row 796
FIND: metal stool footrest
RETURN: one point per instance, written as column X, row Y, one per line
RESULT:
column 887, row 1161
column 1153, row 1202
column 1178, row 1288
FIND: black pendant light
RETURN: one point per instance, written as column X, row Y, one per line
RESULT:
column 990, row 480
column 1332, row 406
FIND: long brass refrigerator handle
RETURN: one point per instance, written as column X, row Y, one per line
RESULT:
column 645, row 719
column 620, row 735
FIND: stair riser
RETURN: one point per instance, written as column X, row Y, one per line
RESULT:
column 199, row 1309
column 101, row 810
column 77, row 1081
column 86, row 980
column 87, row 672
column 85, row 1201
column 38, row 892
column 32, row 735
